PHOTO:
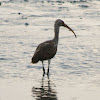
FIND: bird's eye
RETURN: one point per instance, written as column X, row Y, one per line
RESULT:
column 62, row 23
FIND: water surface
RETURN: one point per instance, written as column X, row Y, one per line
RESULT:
column 74, row 71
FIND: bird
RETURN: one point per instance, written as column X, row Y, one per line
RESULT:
column 47, row 50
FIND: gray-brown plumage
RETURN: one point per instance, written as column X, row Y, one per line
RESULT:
column 48, row 49
column 45, row 51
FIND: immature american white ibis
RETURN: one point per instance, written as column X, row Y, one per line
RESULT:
column 48, row 49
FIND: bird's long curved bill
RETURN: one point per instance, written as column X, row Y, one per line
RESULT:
column 70, row 29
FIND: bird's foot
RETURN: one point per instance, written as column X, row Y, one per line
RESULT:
column 43, row 71
column 48, row 72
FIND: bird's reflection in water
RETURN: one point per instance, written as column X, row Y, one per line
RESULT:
column 45, row 91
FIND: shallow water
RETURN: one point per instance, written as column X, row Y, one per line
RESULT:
column 74, row 71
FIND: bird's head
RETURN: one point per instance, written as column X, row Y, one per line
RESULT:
column 59, row 22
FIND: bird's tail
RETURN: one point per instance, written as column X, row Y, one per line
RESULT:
column 34, row 60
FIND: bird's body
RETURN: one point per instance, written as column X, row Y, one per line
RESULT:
column 45, row 51
column 48, row 49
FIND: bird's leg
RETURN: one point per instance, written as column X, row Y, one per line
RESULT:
column 48, row 66
column 43, row 68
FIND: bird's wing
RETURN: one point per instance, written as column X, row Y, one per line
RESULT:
column 45, row 50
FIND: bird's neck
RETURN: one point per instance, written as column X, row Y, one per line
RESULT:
column 56, row 30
